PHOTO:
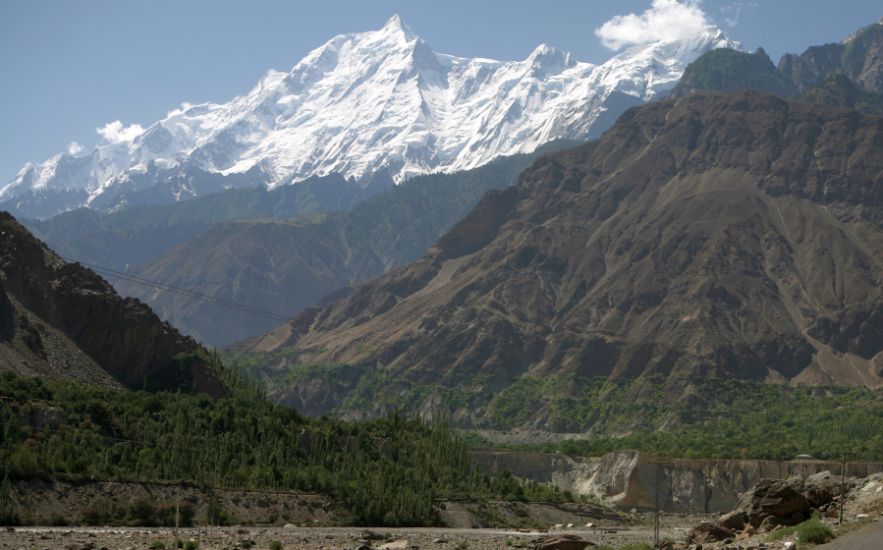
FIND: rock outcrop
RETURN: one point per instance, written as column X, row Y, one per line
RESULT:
column 562, row 542
column 774, row 498
column 60, row 320
column 708, row 532
column 629, row 480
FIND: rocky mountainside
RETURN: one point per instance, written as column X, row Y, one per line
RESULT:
column 859, row 57
column 731, row 236
column 726, row 70
column 361, row 104
column 60, row 320
column 849, row 74
column 839, row 91
column 283, row 266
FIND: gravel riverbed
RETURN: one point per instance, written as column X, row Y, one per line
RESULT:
column 330, row 538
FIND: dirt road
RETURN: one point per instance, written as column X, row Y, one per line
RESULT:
column 869, row 538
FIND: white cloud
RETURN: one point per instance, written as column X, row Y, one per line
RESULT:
column 732, row 12
column 74, row 148
column 665, row 20
column 115, row 132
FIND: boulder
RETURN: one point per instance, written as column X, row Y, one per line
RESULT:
column 773, row 497
column 818, row 495
column 747, row 533
column 770, row 523
column 401, row 544
column 734, row 521
column 562, row 542
column 708, row 532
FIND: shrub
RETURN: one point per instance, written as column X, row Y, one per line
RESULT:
column 24, row 464
column 215, row 513
column 92, row 515
column 158, row 545
column 191, row 545
column 814, row 531
column 165, row 515
column 9, row 518
column 143, row 513
column 637, row 546
column 810, row 531
column 276, row 545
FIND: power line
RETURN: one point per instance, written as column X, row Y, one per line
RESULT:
column 143, row 281
column 136, row 279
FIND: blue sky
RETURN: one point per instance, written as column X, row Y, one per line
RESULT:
column 71, row 66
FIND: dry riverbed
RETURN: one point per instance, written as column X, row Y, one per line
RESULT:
column 327, row 538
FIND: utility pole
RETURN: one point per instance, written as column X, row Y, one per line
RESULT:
column 177, row 520
column 656, row 508
column 842, row 485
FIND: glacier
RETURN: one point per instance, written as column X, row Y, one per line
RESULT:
column 361, row 104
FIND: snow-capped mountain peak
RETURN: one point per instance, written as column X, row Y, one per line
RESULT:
column 359, row 104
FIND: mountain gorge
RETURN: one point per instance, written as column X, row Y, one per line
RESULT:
column 723, row 236
column 281, row 266
column 361, row 104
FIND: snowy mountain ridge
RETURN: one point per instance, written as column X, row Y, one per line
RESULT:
column 360, row 104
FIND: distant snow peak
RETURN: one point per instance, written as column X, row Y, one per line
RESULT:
column 395, row 25
column 368, row 102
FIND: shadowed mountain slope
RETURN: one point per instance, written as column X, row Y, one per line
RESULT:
column 130, row 238
column 732, row 236
column 60, row 320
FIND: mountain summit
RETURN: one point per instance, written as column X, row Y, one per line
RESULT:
column 361, row 103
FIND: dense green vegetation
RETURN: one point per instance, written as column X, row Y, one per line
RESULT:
column 721, row 419
column 687, row 418
column 387, row 471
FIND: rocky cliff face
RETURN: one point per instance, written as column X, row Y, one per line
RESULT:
column 629, row 479
column 61, row 320
column 848, row 74
column 859, row 57
column 735, row 236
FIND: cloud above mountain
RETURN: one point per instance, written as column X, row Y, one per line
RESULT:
column 115, row 132
column 733, row 12
column 664, row 20
column 74, row 148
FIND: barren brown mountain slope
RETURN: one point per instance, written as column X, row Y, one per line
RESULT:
column 735, row 236
column 60, row 320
